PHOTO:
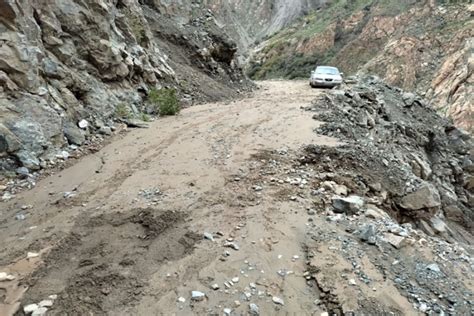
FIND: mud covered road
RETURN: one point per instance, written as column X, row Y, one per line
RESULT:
column 121, row 231
column 219, row 211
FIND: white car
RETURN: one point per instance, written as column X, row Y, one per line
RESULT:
column 325, row 76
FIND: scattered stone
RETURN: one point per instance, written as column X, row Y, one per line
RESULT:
column 181, row 299
column 257, row 188
column 30, row 255
column 352, row 282
column 53, row 297
column 22, row 171
column 325, row 314
column 254, row 309
column 197, row 296
column 350, row 205
column 278, row 301
column 6, row 277
column 227, row 311
column 209, row 236
column 46, row 303
column 433, row 267
column 396, row 241
column 367, row 234
column 41, row 311
column 215, row 286
column 28, row 309
column 231, row 245
column 235, row 280
column 20, row 217
column 83, row 124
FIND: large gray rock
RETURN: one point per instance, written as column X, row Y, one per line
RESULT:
column 349, row 205
column 426, row 196
column 74, row 134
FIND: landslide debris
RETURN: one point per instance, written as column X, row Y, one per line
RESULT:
column 400, row 153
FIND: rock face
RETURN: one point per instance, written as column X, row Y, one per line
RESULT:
column 418, row 45
column 65, row 61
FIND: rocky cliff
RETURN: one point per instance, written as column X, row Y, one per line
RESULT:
column 425, row 46
column 68, row 61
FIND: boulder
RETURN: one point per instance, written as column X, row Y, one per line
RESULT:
column 349, row 205
column 74, row 134
column 426, row 196
column 396, row 241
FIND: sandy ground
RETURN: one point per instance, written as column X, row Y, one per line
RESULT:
column 118, row 246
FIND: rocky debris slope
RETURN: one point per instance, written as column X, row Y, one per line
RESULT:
column 400, row 154
column 68, row 67
column 424, row 46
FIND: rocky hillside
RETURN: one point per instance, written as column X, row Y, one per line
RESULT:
column 425, row 46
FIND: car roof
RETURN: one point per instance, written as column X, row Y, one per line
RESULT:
column 327, row 67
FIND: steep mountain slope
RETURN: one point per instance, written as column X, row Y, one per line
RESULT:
column 416, row 45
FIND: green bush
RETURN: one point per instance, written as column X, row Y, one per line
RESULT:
column 164, row 101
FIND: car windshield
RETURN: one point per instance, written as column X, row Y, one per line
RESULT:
column 327, row 71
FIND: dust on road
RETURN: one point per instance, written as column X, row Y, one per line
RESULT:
column 128, row 239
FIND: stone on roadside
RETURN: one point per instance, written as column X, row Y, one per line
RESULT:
column 73, row 134
column 197, row 296
column 6, row 277
column 208, row 236
column 30, row 308
column 46, row 303
column 426, row 196
column 41, row 311
column 105, row 130
column 278, row 301
column 254, row 309
column 349, row 205
column 22, row 171
column 30, row 255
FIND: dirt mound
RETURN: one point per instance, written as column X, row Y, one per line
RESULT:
column 108, row 259
column 400, row 151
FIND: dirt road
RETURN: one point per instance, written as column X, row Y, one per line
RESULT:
column 128, row 238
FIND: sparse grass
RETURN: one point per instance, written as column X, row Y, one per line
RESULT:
column 122, row 111
column 164, row 101
column 137, row 28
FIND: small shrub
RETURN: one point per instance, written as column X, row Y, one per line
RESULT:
column 165, row 101
column 145, row 117
column 122, row 111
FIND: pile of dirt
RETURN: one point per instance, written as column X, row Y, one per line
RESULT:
column 399, row 151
